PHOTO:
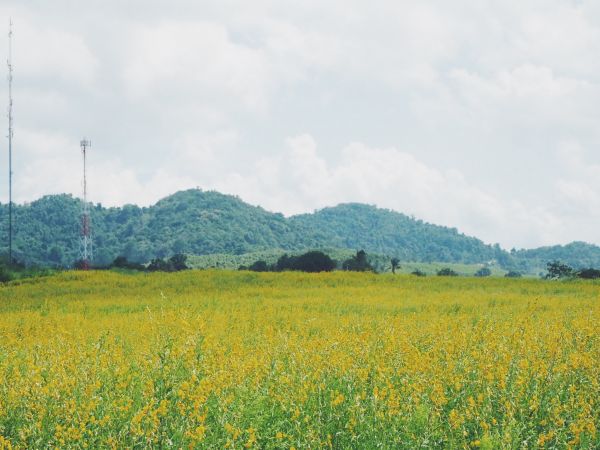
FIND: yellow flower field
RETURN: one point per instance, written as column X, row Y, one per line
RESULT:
column 209, row 359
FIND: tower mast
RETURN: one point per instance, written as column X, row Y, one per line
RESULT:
column 86, row 235
column 10, row 136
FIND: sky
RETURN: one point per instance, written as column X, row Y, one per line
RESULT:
column 480, row 115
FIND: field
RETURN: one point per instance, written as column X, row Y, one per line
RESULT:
column 217, row 359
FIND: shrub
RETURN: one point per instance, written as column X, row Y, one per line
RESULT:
column 483, row 272
column 178, row 262
column 175, row 263
column 358, row 263
column 513, row 274
column 418, row 273
column 259, row 266
column 159, row 265
column 446, row 272
column 5, row 275
column 285, row 262
column 589, row 274
column 121, row 262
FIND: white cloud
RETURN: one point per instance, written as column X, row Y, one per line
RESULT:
column 299, row 180
column 202, row 55
column 193, row 61
column 43, row 54
column 454, row 110
column 579, row 188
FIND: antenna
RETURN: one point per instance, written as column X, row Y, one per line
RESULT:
column 86, row 234
column 10, row 136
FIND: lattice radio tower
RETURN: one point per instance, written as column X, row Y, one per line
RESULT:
column 10, row 137
column 86, row 256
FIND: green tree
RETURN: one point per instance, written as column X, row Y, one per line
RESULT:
column 314, row 261
column 446, row 272
column 395, row 264
column 513, row 274
column 178, row 262
column 259, row 266
column 557, row 270
column 483, row 272
column 358, row 263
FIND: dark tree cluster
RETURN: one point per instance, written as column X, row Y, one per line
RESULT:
column 121, row 262
column 358, row 263
column 483, row 272
column 175, row 263
column 313, row 261
column 557, row 270
column 589, row 274
column 395, row 262
column 513, row 274
column 446, row 272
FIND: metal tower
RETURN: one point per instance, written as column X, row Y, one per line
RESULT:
column 10, row 136
column 86, row 256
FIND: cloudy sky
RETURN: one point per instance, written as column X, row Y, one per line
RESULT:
column 481, row 115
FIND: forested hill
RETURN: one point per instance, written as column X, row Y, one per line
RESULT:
column 199, row 222
column 355, row 226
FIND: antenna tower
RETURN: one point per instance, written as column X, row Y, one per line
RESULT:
column 10, row 136
column 86, row 234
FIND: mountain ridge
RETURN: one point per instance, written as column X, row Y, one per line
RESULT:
column 206, row 222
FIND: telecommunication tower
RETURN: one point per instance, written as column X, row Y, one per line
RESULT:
column 10, row 137
column 86, row 256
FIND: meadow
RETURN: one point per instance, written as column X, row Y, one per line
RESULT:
column 218, row 359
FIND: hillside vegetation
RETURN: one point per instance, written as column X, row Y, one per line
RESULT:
column 206, row 223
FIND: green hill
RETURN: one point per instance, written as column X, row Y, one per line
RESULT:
column 576, row 254
column 208, row 223
column 387, row 232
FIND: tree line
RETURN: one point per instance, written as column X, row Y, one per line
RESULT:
column 312, row 261
column 557, row 270
column 317, row 261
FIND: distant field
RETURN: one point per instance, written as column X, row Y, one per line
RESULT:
column 220, row 359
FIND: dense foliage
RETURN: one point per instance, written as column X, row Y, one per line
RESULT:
column 12, row 272
column 202, row 223
column 557, row 270
column 483, row 272
column 175, row 263
column 359, row 263
column 383, row 231
column 578, row 255
column 446, row 272
column 312, row 261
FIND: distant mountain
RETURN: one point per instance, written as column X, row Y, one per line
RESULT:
column 356, row 226
column 201, row 223
column 576, row 254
